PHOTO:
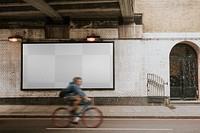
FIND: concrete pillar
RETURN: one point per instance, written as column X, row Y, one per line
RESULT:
column 57, row 32
column 130, row 31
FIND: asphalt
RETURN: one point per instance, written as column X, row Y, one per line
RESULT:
column 45, row 111
column 30, row 125
column 115, row 125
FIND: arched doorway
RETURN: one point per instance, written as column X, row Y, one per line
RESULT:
column 183, row 72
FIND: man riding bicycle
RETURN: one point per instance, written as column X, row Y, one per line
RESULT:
column 74, row 91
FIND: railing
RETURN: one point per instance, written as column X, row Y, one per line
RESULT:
column 155, row 88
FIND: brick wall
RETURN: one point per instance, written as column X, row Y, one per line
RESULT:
column 133, row 60
column 169, row 15
column 165, row 23
column 106, row 33
column 10, row 63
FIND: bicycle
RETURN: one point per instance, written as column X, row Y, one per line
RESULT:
column 91, row 117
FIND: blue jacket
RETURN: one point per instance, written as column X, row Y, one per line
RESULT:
column 73, row 88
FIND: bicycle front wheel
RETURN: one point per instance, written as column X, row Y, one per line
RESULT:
column 92, row 117
column 61, row 117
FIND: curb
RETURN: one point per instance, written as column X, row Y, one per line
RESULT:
column 25, row 116
column 128, row 117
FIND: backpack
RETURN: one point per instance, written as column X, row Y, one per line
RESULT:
column 63, row 93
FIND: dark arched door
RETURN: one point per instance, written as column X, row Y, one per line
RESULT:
column 183, row 72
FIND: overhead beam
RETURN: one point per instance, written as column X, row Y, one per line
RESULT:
column 21, row 13
column 91, row 12
column 127, row 9
column 14, row 4
column 115, row 12
column 43, row 7
column 82, row 2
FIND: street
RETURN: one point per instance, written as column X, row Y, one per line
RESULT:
column 44, row 125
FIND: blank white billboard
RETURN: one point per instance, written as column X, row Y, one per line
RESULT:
column 53, row 65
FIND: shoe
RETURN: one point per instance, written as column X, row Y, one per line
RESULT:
column 76, row 119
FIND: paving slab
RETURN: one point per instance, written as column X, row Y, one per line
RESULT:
column 108, row 111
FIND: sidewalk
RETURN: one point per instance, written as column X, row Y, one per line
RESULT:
column 41, row 111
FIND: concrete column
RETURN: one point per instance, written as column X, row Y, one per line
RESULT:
column 130, row 31
column 57, row 32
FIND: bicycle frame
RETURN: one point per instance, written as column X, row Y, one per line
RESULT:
column 85, row 106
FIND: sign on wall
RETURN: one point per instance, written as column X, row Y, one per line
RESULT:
column 53, row 65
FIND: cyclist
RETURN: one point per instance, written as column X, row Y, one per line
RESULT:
column 74, row 91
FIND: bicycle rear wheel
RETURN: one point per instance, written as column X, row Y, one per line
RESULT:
column 61, row 117
column 92, row 117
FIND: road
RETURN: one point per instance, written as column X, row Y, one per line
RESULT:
column 35, row 125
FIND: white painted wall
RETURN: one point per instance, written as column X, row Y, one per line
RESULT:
column 133, row 60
